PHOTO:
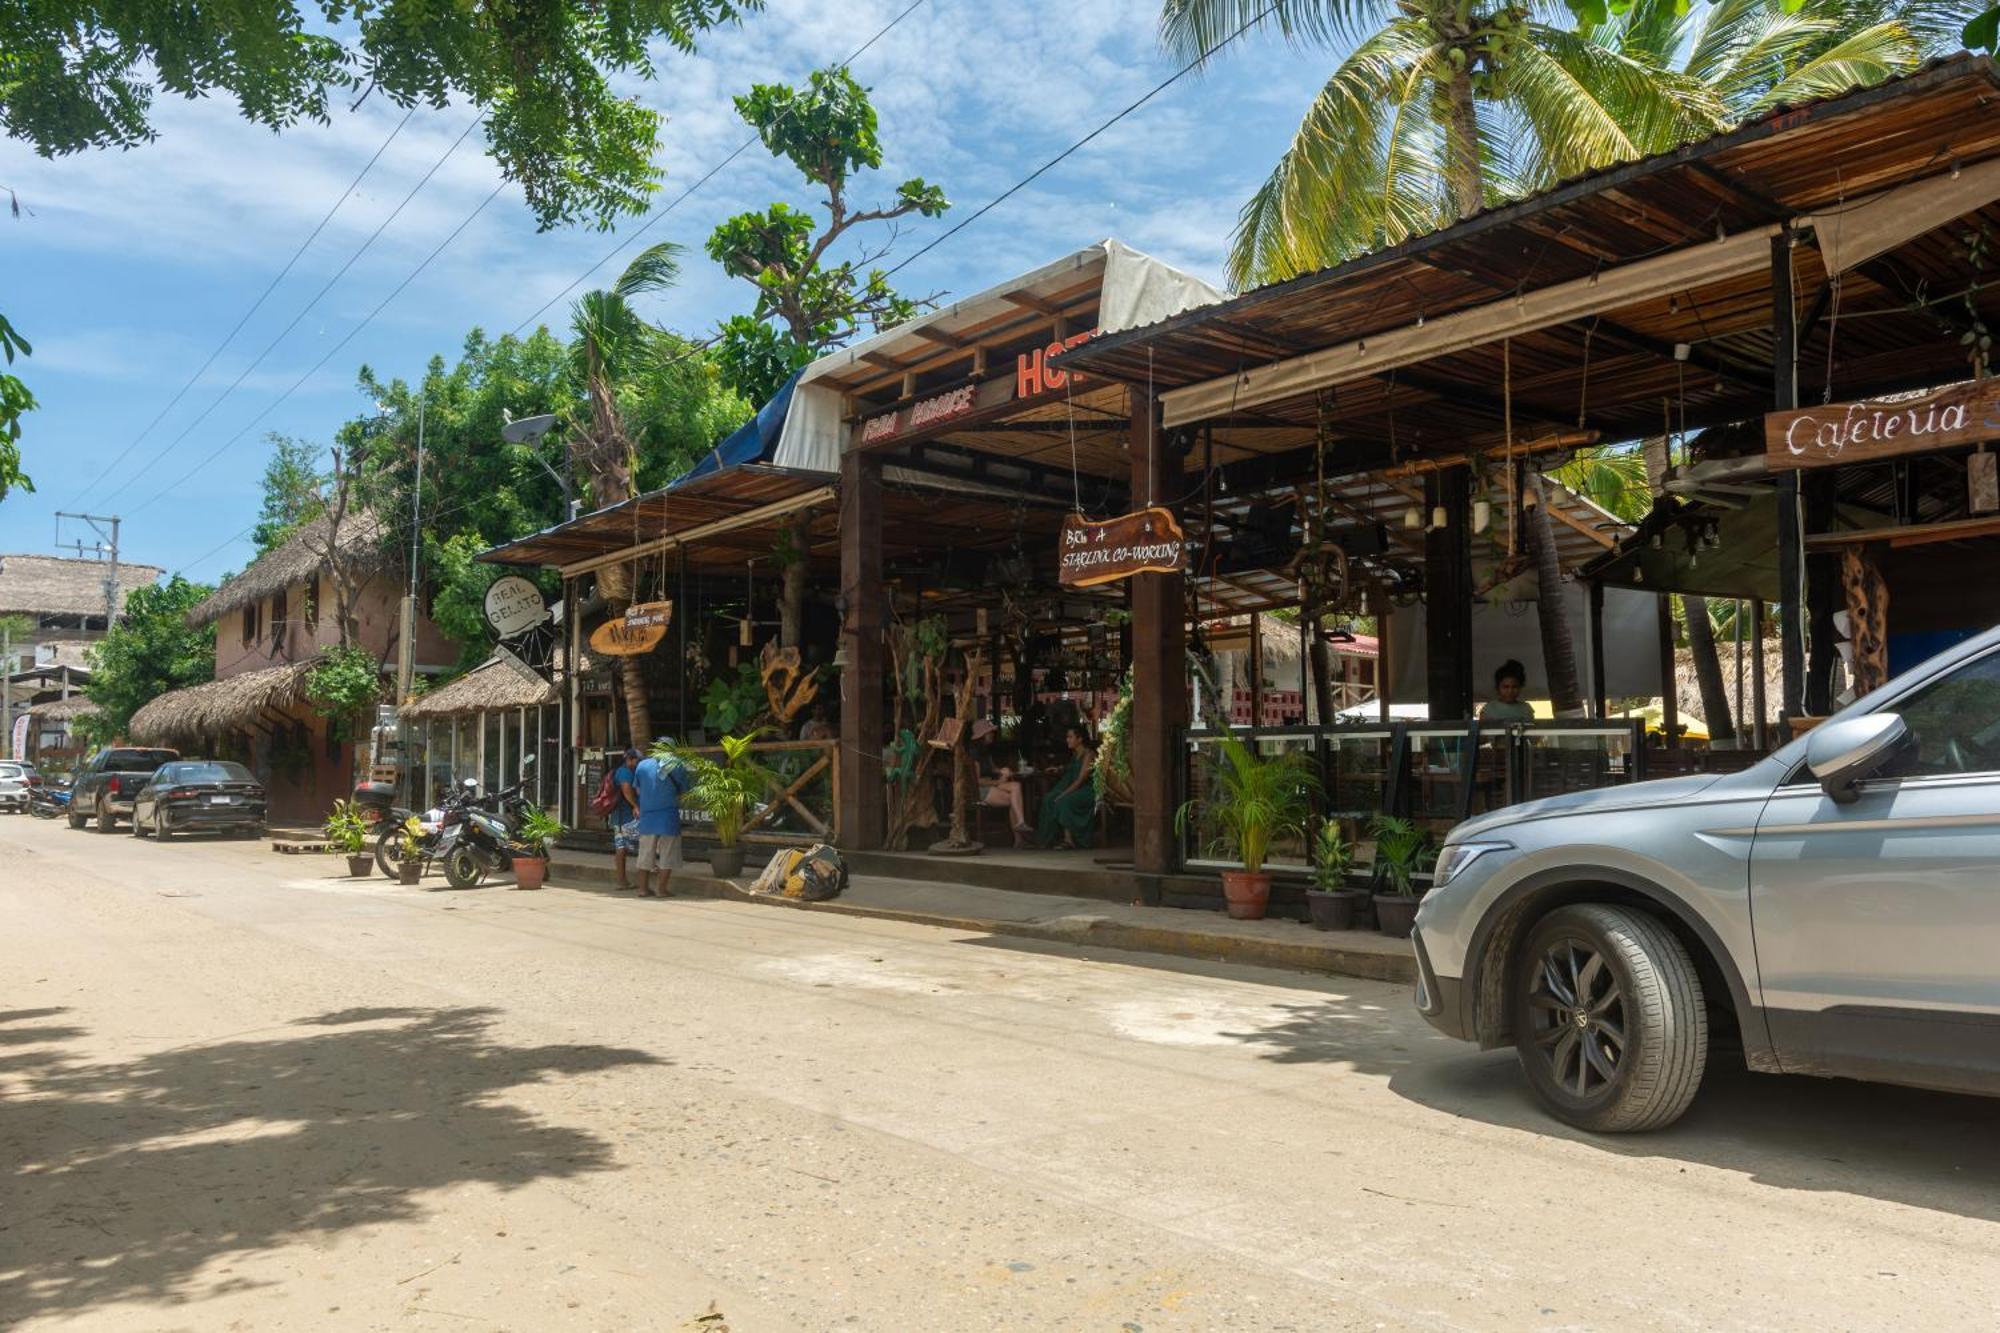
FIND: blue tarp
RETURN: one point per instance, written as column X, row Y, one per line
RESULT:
column 755, row 441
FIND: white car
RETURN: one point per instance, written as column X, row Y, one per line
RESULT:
column 16, row 776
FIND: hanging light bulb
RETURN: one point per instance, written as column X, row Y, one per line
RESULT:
column 1530, row 497
column 1482, row 514
column 1439, row 518
column 1638, row 573
column 744, row 632
column 1413, row 517
column 1656, row 542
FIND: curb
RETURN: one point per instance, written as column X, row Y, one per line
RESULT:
column 1081, row 930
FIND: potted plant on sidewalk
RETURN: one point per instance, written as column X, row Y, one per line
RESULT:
column 1402, row 852
column 410, row 851
column 1251, row 799
column 347, row 834
column 539, row 829
column 726, row 791
column 1333, row 903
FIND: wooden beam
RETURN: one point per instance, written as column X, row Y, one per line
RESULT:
column 863, row 810
column 938, row 335
column 1603, row 539
column 1911, row 534
column 1030, row 301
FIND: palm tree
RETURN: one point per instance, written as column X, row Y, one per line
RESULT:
column 612, row 345
column 1437, row 111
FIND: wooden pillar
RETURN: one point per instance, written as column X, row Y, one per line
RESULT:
column 1791, row 537
column 1256, row 669
column 1758, row 704
column 1597, row 692
column 1159, row 667
column 1670, row 700
column 1824, row 594
column 1384, row 608
column 863, row 801
column 1448, row 594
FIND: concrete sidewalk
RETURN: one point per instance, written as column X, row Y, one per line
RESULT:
column 1179, row 932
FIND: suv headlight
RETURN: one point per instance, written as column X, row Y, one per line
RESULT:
column 1453, row 860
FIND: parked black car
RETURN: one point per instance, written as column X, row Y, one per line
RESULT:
column 108, row 781
column 198, row 795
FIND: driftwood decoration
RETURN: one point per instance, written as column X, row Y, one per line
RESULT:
column 910, row 804
column 956, row 735
column 1867, row 616
column 788, row 688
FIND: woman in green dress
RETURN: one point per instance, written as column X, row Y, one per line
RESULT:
column 1071, row 803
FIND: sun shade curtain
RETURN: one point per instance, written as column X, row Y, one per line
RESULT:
column 1855, row 232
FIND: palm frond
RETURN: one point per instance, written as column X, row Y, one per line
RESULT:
column 1190, row 29
column 1869, row 56
column 1614, row 478
column 654, row 269
column 1591, row 106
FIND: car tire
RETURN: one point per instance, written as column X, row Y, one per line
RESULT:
column 1608, row 1018
column 106, row 821
column 138, row 829
column 161, row 833
column 76, row 820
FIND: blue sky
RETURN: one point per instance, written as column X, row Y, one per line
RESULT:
column 126, row 269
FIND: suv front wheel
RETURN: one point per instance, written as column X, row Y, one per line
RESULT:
column 1608, row 1018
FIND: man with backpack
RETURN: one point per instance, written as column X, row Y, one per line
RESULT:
column 618, row 801
column 659, row 783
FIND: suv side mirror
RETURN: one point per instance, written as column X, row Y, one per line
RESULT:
column 1840, row 754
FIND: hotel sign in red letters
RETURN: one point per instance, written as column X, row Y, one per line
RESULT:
column 1034, row 377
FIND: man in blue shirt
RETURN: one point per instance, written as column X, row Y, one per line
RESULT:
column 625, row 814
column 659, row 784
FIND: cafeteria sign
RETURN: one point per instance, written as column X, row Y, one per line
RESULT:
column 640, row 631
column 1862, row 432
column 1148, row 542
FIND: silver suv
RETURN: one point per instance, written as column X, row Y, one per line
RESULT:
column 1836, row 908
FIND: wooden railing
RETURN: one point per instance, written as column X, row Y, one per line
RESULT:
column 802, row 802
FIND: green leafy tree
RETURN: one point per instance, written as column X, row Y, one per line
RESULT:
column 82, row 74
column 294, row 490
column 806, row 304
column 15, row 400
column 150, row 650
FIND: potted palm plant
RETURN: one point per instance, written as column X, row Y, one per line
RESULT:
column 410, row 851
column 726, row 791
column 1251, row 799
column 347, row 834
column 538, row 829
column 1333, row 904
column 1402, row 852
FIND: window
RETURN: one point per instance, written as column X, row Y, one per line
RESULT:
column 1954, row 723
column 250, row 624
column 279, row 611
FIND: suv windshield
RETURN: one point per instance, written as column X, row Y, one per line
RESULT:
column 207, row 771
column 136, row 761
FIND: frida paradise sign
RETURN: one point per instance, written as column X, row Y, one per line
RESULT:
column 1874, row 428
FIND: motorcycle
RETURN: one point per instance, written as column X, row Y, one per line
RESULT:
column 482, row 839
column 49, row 799
column 432, row 822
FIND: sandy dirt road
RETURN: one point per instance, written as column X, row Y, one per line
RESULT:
column 239, row 1092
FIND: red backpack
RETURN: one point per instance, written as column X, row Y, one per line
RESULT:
column 606, row 799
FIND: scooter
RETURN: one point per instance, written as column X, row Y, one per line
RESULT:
column 432, row 822
column 481, row 841
column 49, row 799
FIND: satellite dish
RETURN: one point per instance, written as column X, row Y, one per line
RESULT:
column 527, row 429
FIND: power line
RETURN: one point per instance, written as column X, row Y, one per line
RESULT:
column 331, row 352
column 1030, row 178
column 255, row 306
column 305, row 309
column 706, row 177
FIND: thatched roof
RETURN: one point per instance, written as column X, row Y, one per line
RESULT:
column 31, row 584
column 303, row 556
column 63, row 710
column 498, row 682
column 1688, row 691
column 218, row 706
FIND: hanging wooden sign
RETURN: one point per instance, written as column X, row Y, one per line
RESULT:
column 1148, row 542
column 644, row 625
column 1877, row 428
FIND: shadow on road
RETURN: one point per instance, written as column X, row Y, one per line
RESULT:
column 1929, row 1150
column 124, row 1179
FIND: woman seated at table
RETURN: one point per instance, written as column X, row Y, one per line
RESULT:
column 999, row 785
column 1067, row 810
column 1507, row 704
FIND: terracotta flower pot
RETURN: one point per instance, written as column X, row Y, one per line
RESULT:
column 1395, row 914
column 530, row 872
column 1246, row 894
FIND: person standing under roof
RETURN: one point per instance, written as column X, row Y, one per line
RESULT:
column 659, row 781
column 625, row 814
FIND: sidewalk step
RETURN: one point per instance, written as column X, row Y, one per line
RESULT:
column 1176, row 932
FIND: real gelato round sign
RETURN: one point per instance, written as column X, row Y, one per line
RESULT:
column 514, row 606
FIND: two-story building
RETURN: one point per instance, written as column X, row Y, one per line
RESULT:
column 273, row 622
column 58, row 608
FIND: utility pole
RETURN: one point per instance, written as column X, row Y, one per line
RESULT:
column 107, row 541
column 406, row 651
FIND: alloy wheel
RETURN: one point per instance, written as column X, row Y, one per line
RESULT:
column 1576, row 1015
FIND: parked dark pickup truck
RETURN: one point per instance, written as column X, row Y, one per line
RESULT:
column 108, row 781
